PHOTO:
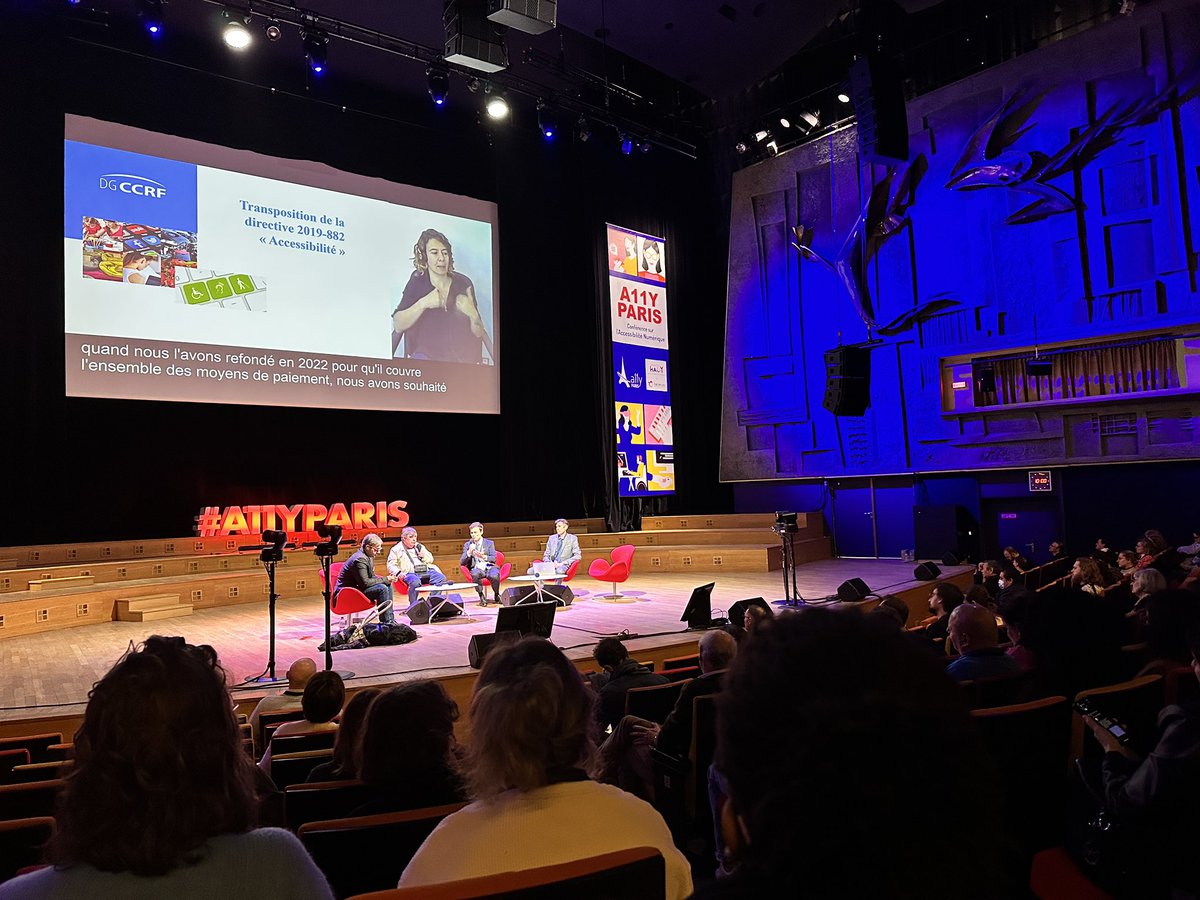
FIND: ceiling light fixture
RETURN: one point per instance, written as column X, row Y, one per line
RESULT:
column 547, row 121
column 150, row 12
column 235, row 34
column 497, row 106
column 316, row 46
column 437, row 77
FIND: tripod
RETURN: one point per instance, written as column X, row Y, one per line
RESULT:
column 787, row 535
column 270, row 557
column 325, row 552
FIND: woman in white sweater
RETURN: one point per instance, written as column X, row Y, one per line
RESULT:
column 532, row 724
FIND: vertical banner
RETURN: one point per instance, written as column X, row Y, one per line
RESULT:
column 637, row 286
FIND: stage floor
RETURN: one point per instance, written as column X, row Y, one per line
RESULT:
column 49, row 675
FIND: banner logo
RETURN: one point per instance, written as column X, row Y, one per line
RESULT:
column 214, row 521
column 133, row 184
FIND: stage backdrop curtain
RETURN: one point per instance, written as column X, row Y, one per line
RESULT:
column 1089, row 372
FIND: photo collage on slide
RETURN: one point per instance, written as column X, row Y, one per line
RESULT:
column 641, row 387
column 135, row 253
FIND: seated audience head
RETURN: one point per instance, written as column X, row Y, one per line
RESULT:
column 159, row 767
column 1087, row 571
column 1147, row 581
column 989, row 567
column 825, row 690
column 1101, row 543
column 610, row 652
column 299, row 673
column 1011, row 552
column 347, row 748
column 1057, row 549
column 892, row 608
column 754, row 615
column 532, row 720
column 944, row 597
column 1127, row 559
column 978, row 594
column 1156, row 543
column 1015, row 609
column 973, row 627
column 1008, row 577
column 323, row 697
column 409, row 729
column 717, row 649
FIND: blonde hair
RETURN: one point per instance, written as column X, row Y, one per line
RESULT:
column 532, row 720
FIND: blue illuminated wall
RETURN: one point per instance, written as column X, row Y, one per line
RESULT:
column 1123, row 262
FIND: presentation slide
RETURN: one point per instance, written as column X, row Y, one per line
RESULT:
column 202, row 273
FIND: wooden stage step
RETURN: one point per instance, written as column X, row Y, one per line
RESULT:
column 155, row 606
column 54, row 582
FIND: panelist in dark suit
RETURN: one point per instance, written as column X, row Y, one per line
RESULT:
column 359, row 572
column 479, row 558
column 562, row 548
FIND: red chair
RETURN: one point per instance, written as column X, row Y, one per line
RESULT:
column 570, row 573
column 350, row 601
column 614, row 570
column 505, row 569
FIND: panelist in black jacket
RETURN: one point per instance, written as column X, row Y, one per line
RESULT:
column 359, row 572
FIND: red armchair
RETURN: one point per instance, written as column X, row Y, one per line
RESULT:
column 350, row 601
column 614, row 570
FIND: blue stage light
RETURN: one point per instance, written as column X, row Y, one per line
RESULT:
column 626, row 144
column 437, row 77
column 316, row 44
column 547, row 121
column 150, row 12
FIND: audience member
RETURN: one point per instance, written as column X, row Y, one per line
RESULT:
column 944, row 597
column 822, row 814
column 1075, row 639
column 620, row 674
column 160, row 802
column 892, row 609
column 1166, row 630
column 1144, row 583
column 978, row 594
column 1127, row 563
column 1105, row 554
column 753, row 616
column 1191, row 552
column 1145, row 554
column 974, row 635
column 407, row 756
column 322, row 701
column 1153, row 799
column 986, row 574
column 624, row 758
column 1009, row 584
column 1014, row 558
column 1057, row 551
column 347, row 747
column 288, row 700
column 532, row 740
column 1086, row 576
column 1014, row 608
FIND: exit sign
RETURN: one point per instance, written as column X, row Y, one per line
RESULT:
column 1040, row 481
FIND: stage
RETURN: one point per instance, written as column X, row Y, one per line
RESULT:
column 50, row 674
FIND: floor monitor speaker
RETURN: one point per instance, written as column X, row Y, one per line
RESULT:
column 853, row 590
column 418, row 612
column 482, row 644
column 926, row 571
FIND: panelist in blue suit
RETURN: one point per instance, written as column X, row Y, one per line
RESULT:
column 479, row 559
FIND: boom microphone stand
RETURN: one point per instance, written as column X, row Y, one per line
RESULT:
column 270, row 556
column 325, row 552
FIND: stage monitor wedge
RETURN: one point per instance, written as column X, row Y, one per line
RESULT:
column 698, row 612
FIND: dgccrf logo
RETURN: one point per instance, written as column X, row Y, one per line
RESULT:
column 133, row 184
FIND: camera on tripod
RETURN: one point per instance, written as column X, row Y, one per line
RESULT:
column 333, row 537
column 275, row 540
column 785, row 523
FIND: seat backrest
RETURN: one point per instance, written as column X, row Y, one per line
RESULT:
column 499, row 558
column 41, row 771
column 30, row 800
column 1136, row 703
column 617, row 572
column 312, row 802
column 21, row 843
column 701, row 753
column 623, row 554
column 997, row 690
column 682, row 674
column 15, row 756
column 682, row 662
column 36, row 744
column 268, row 722
column 1030, row 746
column 1181, row 685
column 294, row 768
column 635, row 874
column 298, row 743
column 334, row 570
column 369, row 853
column 654, row 702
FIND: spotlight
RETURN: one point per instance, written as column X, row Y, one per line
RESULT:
column 437, row 76
column 547, row 121
column 235, row 34
column 843, row 97
column 150, row 12
column 785, row 122
column 473, row 85
column 645, row 146
column 761, row 136
column 626, row 143
column 497, row 106
column 316, row 45
column 740, row 147
column 772, row 148
column 274, row 32
column 585, row 130
column 807, row 121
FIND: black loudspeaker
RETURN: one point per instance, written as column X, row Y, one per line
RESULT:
column 878, row 95
column 559, row 592
column 418, row 612
column 847, row 381
column 950, row 559
column 853, row 590
column 481, row 645
column 926, row 571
